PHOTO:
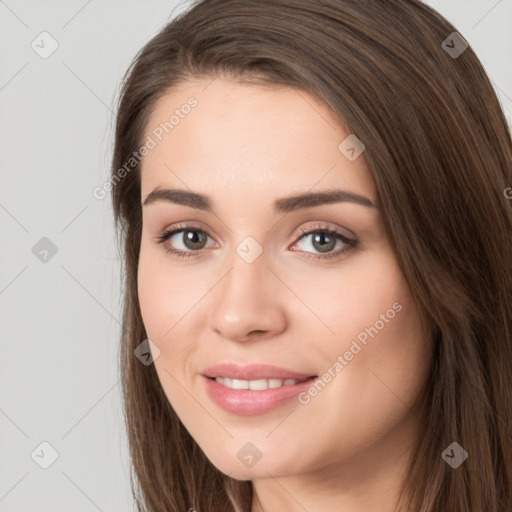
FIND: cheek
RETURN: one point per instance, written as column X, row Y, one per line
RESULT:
column 168, row 297
column 379, row 341
column 385, row 376
column 164, row 295
column 151, row 285
column 164, row 303
column 378, row 380
column 366, row 298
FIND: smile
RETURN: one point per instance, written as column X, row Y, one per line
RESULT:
column 258, row 384
column 253, row 397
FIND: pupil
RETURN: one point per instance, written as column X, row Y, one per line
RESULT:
column 319, row 237
column 192, row 238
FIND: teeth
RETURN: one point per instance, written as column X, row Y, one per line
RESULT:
column 257, row 385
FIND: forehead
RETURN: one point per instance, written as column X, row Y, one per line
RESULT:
column 224, row 137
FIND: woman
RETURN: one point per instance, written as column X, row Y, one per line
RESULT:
column 311, row 199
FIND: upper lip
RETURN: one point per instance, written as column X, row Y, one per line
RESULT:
column 253, row 372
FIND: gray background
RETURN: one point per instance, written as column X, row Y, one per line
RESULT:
column 59, row 318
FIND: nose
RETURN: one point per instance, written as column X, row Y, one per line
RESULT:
column 249, row 302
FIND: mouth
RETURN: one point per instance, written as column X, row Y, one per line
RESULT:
column 257, row 384
column 248, row 390
column 255, row 372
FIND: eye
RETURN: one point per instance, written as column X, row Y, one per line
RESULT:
column 191, row 237
column 324, row 240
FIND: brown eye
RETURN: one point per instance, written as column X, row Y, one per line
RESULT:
column 324, row 240
column 184, row 242
column 193, row 239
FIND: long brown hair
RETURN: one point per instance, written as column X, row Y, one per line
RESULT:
column 440, row 153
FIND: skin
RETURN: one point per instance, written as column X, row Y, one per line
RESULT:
column 245, row 146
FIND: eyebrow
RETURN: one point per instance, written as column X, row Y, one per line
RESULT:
column 282, row 205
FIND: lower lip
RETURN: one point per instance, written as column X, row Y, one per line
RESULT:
column 248, row 402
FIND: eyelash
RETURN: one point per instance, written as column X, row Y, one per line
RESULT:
column 312, row 230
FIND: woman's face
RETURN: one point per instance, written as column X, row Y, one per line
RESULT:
column 310, row 286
